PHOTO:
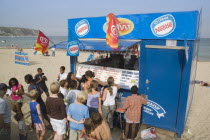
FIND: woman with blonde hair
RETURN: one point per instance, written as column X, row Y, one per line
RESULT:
column 93, row 97
column 108, row 98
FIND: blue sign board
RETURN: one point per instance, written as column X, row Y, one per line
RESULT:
column 174, row 25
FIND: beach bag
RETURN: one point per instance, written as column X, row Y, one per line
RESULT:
column 148, row 133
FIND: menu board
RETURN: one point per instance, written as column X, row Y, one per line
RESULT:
column 125, row 78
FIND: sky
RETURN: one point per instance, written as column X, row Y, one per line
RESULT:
column 50, row 16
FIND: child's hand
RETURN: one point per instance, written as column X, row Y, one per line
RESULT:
column 82, row 121
column 43, row 124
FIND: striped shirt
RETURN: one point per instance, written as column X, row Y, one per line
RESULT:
column 133, row 106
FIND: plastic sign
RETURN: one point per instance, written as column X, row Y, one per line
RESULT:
column 163, row 26
column 82, row 28
column 125, row 26
column 73, row 48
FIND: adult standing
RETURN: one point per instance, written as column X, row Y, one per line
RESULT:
column 133, row 106
column 5, row 114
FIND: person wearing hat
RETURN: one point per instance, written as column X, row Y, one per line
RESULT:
column 5, row 114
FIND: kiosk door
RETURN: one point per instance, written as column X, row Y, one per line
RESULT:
column 163, row 82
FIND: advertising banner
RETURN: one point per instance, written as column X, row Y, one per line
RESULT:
column 140, row 26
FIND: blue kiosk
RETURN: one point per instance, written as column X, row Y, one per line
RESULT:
column 163, row 70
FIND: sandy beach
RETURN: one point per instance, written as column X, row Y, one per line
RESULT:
column 198, row 124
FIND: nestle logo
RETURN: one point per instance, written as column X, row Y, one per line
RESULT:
column 73, row 48
column 163, row 26
column 82, row 28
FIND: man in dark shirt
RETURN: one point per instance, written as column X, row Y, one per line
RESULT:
column 40, row 79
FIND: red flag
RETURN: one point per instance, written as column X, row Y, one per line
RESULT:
column 112, row 34
column 42, row 42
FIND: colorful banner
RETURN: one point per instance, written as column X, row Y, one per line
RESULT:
column 21, row 58
column 112, row 34
column 42, row 43
column 125, row 78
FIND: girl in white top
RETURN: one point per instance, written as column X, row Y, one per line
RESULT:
column 108, row 98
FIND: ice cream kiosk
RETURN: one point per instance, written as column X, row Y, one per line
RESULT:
column 157, row 52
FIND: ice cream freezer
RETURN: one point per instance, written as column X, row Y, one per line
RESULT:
column 157, row 52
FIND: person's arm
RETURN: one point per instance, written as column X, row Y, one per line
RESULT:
column 101, row 83
column 69, row 118
column 47, row 107
column 40, row 114
column 99, row 105
column 1, row 121
column 143, row 100
column 118, row 86
column 104, row 95
column 36, row 78
column 62, row 108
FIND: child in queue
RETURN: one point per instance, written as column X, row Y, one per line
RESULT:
column 77, row 112
column 16, row 96
column 90, row 76
column 72, row 94
column 62, row 75
column 70, row 77
column 108, row 99
column 40, row 79
column 57, row 112
column 21, row 125
column 37, row 115
column 82, row 82
column 63, row 88
column 93, row 97
column 96, row 128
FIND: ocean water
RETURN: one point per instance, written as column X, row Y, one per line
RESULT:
column 29, row 42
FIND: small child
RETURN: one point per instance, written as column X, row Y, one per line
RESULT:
column 40, row 79
column 56, row 111
column 77, row 112
column 37, row 115
column 21, row 125
column 63, row 88
column 72, row 94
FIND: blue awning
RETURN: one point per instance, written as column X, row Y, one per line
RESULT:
column 98, row 45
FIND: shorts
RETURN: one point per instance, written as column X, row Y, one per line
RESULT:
column 129, row 121
column 44, row 88
column 39, row 126
column 75, row 135
column 58, row 126
column 19, row 101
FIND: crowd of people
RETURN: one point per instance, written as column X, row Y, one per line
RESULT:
column 75, row 108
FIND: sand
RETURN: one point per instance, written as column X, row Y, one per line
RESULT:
column 198, row 124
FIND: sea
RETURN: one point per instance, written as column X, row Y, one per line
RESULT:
column 29, row 42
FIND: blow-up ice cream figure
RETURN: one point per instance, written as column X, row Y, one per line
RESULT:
column 112, row 35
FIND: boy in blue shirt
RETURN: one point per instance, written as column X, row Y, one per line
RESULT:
column 77, row 113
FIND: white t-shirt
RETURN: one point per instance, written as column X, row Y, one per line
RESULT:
column 63, row 76
column 64, row 92
column 5, row 111
column 110, row 100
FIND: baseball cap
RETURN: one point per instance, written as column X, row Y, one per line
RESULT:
column 3, row 86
